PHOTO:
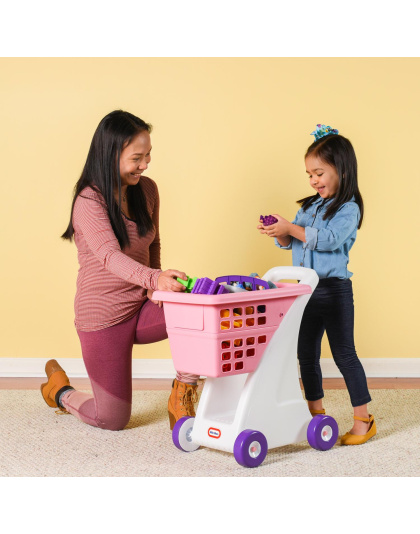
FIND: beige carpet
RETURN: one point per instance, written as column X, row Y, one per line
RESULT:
column 36, row 442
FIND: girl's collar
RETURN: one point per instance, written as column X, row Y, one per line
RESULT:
column 326, row 200
column 322, row 200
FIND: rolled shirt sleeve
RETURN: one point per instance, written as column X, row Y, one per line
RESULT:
column 311, row 237
column 288, row 247
column 337, row 231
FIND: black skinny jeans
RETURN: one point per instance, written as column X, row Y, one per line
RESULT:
column 331, row 308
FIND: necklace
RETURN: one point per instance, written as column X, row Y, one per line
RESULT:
column 124, row 199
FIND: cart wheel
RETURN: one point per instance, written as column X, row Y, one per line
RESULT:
column 322, row 432
column 181, row 435
column 250, row 448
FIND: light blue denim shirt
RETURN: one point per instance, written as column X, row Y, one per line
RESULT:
column 328, row 242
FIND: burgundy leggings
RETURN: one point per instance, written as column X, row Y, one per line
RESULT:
column 107, row 357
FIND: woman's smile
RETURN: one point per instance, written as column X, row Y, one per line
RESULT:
column 135, row 158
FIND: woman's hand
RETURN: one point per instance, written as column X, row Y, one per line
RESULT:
column 280, row 229
column 149, row 296
column 167, row 280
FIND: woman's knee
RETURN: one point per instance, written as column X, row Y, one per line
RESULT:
column 151, row 325
column 114, row 420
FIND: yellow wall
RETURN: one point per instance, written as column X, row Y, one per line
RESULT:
column 228, row 144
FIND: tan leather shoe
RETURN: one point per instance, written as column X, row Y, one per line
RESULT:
column 57, row 379
column 181, row 401
column 354, row 439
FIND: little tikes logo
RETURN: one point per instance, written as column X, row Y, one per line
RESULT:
column 214, row 433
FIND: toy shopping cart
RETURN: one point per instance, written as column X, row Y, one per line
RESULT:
column 245, row 344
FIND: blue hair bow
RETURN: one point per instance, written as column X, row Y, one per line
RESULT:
column 322, row 131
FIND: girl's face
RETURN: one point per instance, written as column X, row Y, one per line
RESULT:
column 322, row 176
column 135, row 158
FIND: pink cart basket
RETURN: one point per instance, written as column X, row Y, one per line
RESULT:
column 245, row 344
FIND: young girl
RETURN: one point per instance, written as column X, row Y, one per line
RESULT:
column 115, row 224
column 321, row 236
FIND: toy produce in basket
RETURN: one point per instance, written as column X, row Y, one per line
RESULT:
column 245, row 343
column 225, row 284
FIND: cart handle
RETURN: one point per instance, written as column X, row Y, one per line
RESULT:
column 303, row 274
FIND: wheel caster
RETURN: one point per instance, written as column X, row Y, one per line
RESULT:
column 322, row 432
column 250, row 448
column 181, row 435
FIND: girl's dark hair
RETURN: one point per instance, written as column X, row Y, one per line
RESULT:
column 102, row 172
column 337, row 151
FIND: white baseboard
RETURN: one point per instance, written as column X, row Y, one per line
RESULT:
column 164, row 368
column 74, row 367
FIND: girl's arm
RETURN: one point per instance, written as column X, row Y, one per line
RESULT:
column 296, row 231
column 284, row 241
column 283, row 231
column 337, row 231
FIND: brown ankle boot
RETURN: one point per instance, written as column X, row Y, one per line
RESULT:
column 57, row 380
column 181, row 401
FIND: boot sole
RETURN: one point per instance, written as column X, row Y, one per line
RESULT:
column 172, row 420
column 359, row 440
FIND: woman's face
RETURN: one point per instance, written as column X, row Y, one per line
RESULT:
column 322, row 176
column 135, row 158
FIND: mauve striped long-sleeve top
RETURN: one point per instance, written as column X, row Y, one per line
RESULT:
column 112, row 283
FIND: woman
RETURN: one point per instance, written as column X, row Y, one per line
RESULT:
column 115, row 224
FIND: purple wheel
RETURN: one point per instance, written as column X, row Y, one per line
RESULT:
column 250, row 448
column 322, row 432
column 181, row 435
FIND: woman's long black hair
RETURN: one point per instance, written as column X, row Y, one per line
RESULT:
column 337, row 151
column 102, row 172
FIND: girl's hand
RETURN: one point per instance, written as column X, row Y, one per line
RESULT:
column 279, row 229
column 167, row 280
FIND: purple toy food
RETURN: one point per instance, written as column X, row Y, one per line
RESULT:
column 255, row 282
column 206, row 286
column 267, row 220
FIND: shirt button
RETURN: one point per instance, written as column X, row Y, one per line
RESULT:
column 313, row 215
column 301, row 263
